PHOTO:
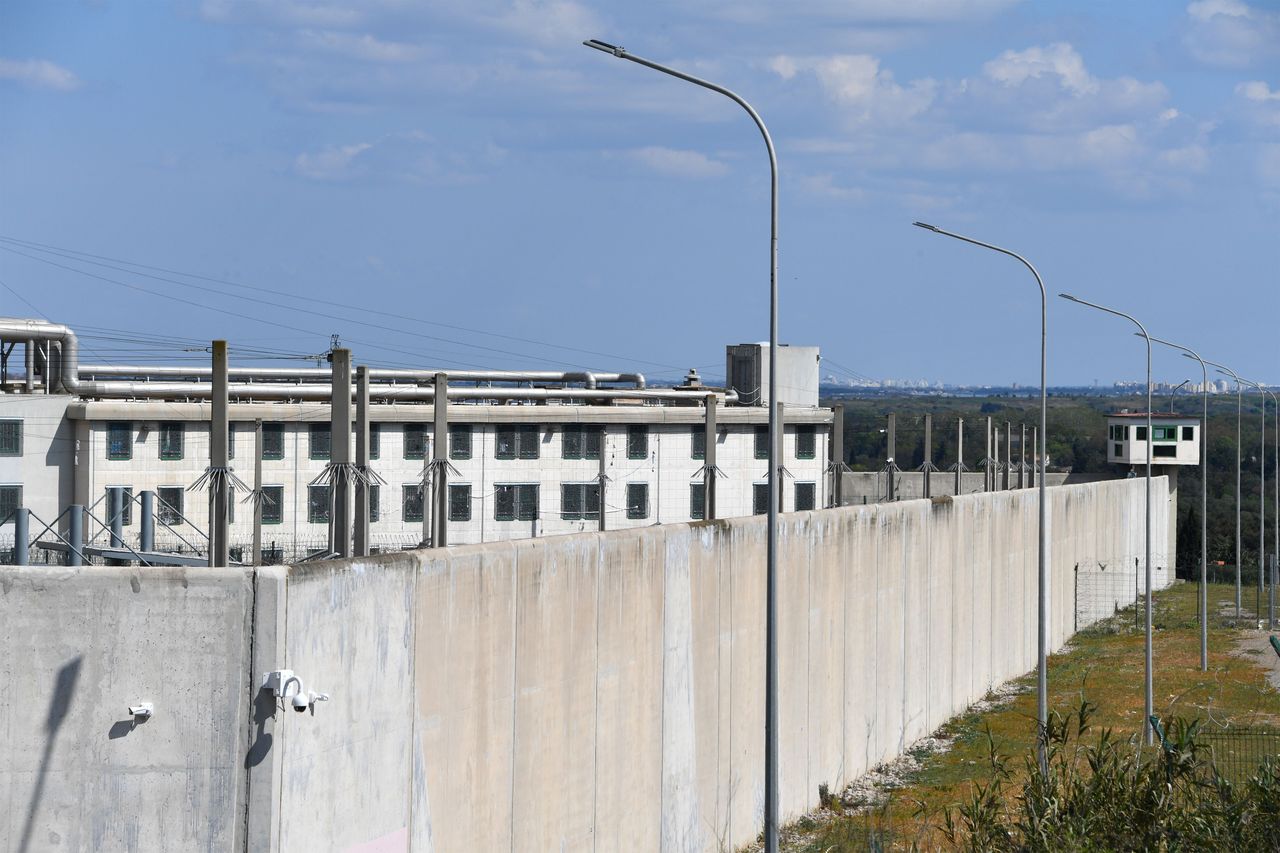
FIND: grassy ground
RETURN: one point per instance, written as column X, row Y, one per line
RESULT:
column 1104, row 663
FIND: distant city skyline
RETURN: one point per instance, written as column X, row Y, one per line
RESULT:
column 463, row 184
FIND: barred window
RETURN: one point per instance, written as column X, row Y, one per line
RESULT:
column 515, row 501
column 1140, row 433
column 762, row 441
column 806, row 496
column 637, row 441
column 698, row 437
column 321, row 442
column 10, row 500
column 375, row 441
column 273, row 441
column 231, row 441
column 10, row 437
column 517, row 440
column 697, row 501
column 169, row 505
column 411, row 502
column 460, row 441
column 120, row 440
column 459, row 502
column 375, row 501
column 637, row 500
column 806, row 442
column 415, row 441
column 318, row 504
column 581, row 441
column 579, row 501
column 126, row 505
column 171, row 434
column 759, row 498
column 272, row 504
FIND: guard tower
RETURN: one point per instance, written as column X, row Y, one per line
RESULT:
column 1174, row 442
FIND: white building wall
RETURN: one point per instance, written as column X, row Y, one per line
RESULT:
column 669, row 470
column 45, row 469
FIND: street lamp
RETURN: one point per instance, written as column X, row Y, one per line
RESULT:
column 1262, row 503
column 1204, row 501
column 1042, row 571
column 1275, row 529
column 775, row 454
column 1149, row 703
column 1239, row 449
column 1175, row 391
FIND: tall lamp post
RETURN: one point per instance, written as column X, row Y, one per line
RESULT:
column 1204, row 500
column 1262, row 503
column 1239, row 450
column 1175, row 391
column 1275, row 528
column 1148, row 699
column 1042, row 570
column 771, row 559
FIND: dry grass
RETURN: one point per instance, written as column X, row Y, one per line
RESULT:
column 1104, row 664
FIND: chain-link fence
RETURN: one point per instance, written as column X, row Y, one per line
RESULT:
column 1107, row 587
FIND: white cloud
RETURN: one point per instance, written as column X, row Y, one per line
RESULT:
column 38, row 73
column 867, row 93
column 1257, row 90
column 362, row 46
column 863, row 11
column 1231, row 33
column 1015, row 67
column 679, row 164
column 331, row 163
column 548, row 21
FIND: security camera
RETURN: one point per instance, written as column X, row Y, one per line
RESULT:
column 300, row 702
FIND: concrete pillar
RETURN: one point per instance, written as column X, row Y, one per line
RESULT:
column 75, row 535
column 147, row 522
column 257, row 490
column 361, row 545
column 709, row 458
column 959, row 456
column 1022, row 457
column 926, row 467
column 1035, row 457
column 30, row 352
column 891, row 452
column 1008, row 454
column 340, row 453
column 602, row 477
column 220, row 482
column 835, row 455
column 21, row 536
column 988, row 480
column 440, row 462
column 115, row 515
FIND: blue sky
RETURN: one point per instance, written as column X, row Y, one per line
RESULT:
column 507, row 197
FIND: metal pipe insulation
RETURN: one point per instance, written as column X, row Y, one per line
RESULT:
column 407, row 393
column 29, row 331
column 590, row 379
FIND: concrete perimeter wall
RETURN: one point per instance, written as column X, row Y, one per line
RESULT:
column 593, row 691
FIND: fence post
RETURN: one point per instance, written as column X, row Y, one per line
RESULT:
column 21, row 530
column 148, row 522
column 75, row 533
column 1075, row 595
column 1137, row 595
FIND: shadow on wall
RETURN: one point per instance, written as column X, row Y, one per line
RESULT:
column 63, row 689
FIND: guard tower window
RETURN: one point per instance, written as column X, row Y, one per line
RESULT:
column 1165, row 450
column 1140, row 433
column 1118, row 450
column 1188, row 433
column 1165, row 433
column 11, row 437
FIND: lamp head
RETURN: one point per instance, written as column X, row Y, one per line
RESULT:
column 1068, row 296
column 605, row 47
column 926, row 226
